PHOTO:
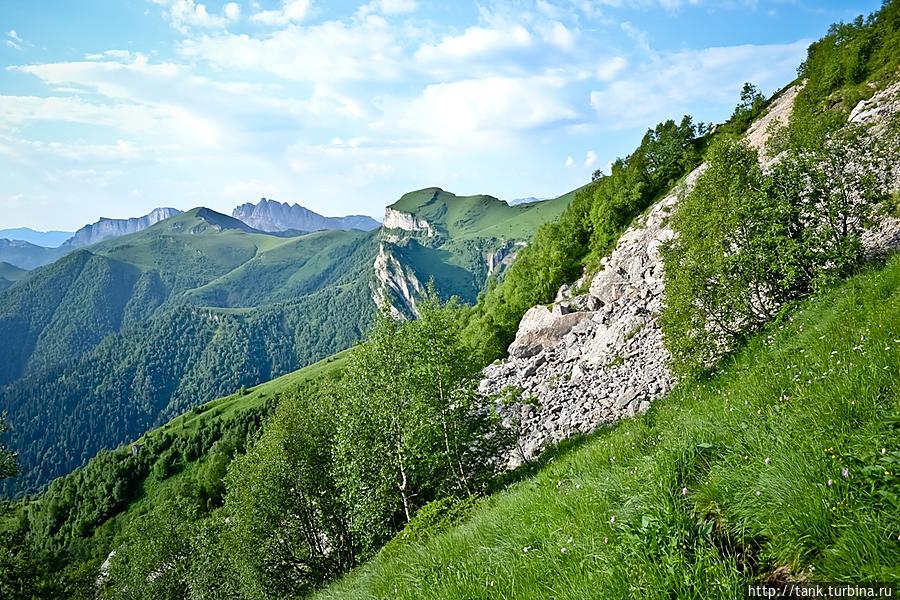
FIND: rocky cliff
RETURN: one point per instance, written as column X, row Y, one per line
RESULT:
column 394, row 219
column 272, row 216
column 595, row 357
column 105, row 229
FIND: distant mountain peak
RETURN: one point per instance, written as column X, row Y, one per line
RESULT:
column 273, row 216
column 106, row 228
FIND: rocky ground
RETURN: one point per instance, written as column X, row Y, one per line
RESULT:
column 592, row 359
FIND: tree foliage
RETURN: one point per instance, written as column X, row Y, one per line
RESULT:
column 751, row 242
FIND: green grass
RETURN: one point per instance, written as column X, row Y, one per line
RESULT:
column 471, row 217
column 814, row 395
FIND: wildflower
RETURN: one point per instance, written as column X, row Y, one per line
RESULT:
column 830, row 482
column 684, row 491
column 884, row 451
column 758, row 493
column 845, row 472
column 526, row 549
column 563, row 550
column 768, row 460
column 612, row 520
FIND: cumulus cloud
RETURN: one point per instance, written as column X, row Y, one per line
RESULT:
column 390, row 7
column 590, row 158
column 487, row 107
column 291, row 11
column 570, row 162
column 362, row 50
column 679, row 82
column 184, row 14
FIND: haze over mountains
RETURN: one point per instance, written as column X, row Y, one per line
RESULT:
column 47, row 239
column 272, row 216
column 28, row 249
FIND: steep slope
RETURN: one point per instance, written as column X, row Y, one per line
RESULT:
column 272, row 216
column 733, row 481
column 109, row 228
column 593, row 358
column 47, row 239
column 458, row 241
column 126, row 334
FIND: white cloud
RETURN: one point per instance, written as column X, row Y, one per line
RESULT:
column 291, row 11
column 557, row 34
column 14, row 41
column 183, row 14
column 610, row 69
column 475, row 42
column 232, row 11
column 590, row 158
column 389, row 7
column 492, row 106
column 679, row 82
column 363, row 50
column 570, row 162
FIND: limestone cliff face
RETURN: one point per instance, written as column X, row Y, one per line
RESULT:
column 394, row 219
column 396, row 286
column 105, row 229
column 595, row 358
column 499, row 260
column 272, row 216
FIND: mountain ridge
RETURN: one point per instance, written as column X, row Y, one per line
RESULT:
column 272, row 216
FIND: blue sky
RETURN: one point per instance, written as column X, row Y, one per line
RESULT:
column 113, row 107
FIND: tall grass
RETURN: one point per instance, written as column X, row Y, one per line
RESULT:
column 782, row 465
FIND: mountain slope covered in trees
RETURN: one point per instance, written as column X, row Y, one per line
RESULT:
column 122, row 336
column 775, row 462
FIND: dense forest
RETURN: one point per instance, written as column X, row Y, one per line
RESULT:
column 398, row 445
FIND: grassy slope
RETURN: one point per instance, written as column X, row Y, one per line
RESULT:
column 468, row 227
column 815, row 395
column 471, row 217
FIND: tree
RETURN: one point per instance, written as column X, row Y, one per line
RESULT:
column 413, row 427
column 749, row 243
column 8, row 466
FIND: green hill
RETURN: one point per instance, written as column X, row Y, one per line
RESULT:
column 9, row 274
column 474, row 238
column 126, row 334
column 26, row 255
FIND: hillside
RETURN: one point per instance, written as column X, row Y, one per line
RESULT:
column 125, row 335
column 10, row 274
column 719, row 485
column 26, row 255
column 459, row 242
column 47, row 239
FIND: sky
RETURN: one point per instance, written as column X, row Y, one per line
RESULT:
column 114, row 107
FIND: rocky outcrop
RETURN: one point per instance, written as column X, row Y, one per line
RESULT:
column 105, row 229
column 394, row 219
column 272, row 216
column 499, row 260
column 593, row 358
column 396, row 287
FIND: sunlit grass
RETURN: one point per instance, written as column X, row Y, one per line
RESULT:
column 723, row 483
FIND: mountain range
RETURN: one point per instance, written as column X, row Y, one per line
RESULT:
column 124, row 334
column 272, row 216
column 47, row 239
